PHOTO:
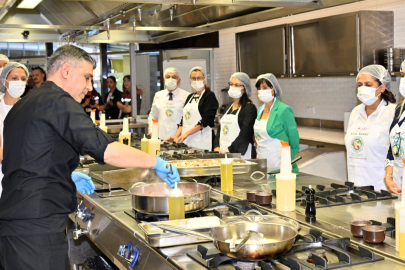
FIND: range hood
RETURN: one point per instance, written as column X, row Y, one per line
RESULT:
column 150, row 21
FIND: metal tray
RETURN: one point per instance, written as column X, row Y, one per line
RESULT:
column 215, row 170
column 159, row 238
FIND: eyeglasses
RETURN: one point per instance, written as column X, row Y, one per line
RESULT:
column 236, row 85
column 197, row 78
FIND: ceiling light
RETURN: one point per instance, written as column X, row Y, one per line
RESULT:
column 29, row 4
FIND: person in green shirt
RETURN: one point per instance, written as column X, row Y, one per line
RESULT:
column 275, row 122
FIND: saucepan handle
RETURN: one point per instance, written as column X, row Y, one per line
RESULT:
column 259, row 178
column 256, row 212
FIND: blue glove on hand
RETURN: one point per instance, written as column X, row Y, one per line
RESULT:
column 163, row 171
column 83, row 183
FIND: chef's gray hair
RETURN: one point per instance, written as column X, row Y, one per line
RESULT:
column 68, row 54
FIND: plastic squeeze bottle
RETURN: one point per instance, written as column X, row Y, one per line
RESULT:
column 285, row 181
column 226, row 174
column 401, row 233
column 93, row 115
column 144, row 144
column 125, row 134
column 154, row 142
column 102, row 126
column 176, row 204
column 398, row 206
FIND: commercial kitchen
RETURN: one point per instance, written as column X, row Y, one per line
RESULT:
column 314, row 49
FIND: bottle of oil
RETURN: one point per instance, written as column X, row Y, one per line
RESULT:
column 285, row 181
column 226, row 175
column 125, row 132
column 144, row 144
column 103, row 127
column 401, row 233
column 154, row 142
column 176, row 204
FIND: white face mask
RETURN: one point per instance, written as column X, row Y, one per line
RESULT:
column 197, row 85
column 265, row 95
column 235, row 92
column 16, row 88
column 367, row 95
column 402, row 87
column 171, row 84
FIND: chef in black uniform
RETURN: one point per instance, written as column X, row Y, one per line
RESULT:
column 44, row 134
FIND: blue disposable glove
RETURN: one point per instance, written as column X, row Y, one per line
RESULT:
column 163, row 171
column 83, row 183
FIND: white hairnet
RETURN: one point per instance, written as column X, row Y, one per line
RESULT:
column 198, row 68
column 403, row 65
column 379, row 72
column 4, row 58
column 244, row 78
column 6, row 70
column 273, row 80
column 172, row 70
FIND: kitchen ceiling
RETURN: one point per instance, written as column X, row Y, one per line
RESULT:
column 150, row 21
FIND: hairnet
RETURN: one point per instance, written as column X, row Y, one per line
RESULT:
column 6, row 70
column 244, row 78
column 379, row 72
column 403, row 65
column 4, row 58
column 172, row 70
column 198, row 68
column 273, row 80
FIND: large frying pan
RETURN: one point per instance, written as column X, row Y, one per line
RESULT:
column 283, row 235
column 153, row 198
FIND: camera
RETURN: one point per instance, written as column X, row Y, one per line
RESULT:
column 92, row 102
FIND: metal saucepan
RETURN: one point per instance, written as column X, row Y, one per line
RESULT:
column 153, row 198
column 281, row 238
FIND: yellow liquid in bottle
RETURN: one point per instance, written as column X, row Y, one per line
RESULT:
column 402, row 245
column 226, row 177
column 285, row 187
column 154, row 145
column 144, row 145
column 397, row 229
column 176, row 208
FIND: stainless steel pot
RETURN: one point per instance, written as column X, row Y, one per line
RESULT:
column 153, row 198
column 282, row 237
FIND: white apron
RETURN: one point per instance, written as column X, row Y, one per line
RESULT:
column 230, row 131
column 170, row 112
column 365, row 154
column 201, row 139
column 267, row 147
column 397, row 141
column 3, row 114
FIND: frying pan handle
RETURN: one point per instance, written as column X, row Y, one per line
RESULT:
column 256, row 212
column 180, row 230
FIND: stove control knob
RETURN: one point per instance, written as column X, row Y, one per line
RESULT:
column 87, row 215
column 77, row 231
column 80, row 209
column 129, row 253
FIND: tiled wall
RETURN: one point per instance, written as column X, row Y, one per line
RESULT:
column 331, row 96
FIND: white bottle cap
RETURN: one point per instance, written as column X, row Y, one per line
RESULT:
column 176, row 192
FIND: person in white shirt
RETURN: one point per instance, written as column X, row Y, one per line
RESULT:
column 13, row 79
column 167, row 106
column 367, row 138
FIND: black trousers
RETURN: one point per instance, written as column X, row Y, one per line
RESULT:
column 38, row 248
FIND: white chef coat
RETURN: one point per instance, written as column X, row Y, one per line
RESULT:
column 367, row 143
column 397, row 141
column 167, row 113
column 4, row 109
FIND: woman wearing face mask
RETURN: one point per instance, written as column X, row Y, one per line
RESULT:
column 195, row 128
column 235, row 133
column 393, row 162
column 275, row 122
column 367, row 137
column 12, row 84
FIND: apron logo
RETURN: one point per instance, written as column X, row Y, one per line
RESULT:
column 397, row 149
column 169, row 113
column 357, row 144
column 188, row 115
column 225, row 130
column 257, row 137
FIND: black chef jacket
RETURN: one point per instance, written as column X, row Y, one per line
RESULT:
column 112, row 112
column 44, row 133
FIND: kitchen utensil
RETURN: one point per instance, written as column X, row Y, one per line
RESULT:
column 153, row 198
column 292, row 162
column 263, row 198
column 280, row 239
column 248, row 235
column 251, row 195
column 374, row 234
column 356, row 227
